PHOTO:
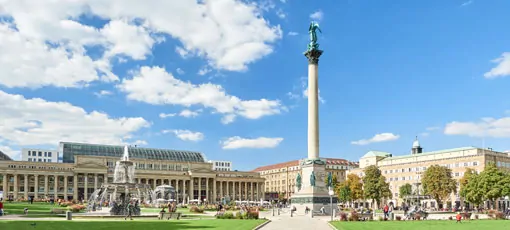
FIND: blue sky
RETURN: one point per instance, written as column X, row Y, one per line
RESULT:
column 228, row 78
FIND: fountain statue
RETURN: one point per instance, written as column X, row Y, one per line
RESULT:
column 124, row 190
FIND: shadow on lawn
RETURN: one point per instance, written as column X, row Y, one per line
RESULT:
column 101, row 225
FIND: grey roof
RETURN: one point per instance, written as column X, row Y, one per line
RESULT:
column 376, row 154
column 430, row 153
column 71, row 149
column 4, row 157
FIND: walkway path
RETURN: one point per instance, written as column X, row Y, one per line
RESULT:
column 298, row 221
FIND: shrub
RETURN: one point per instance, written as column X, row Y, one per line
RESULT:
column 491, row 213
column 398, row 218
column 476, row 217
column 417, row 217
column 380, row 218
column 343, row 216
column 450, row 218
column 354, row 216
column 196, row 209
column 76, row 208
column 251, row 215
column 226, row 215
column 66, row 204
column 499, row 215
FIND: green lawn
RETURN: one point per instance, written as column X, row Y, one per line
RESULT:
column 136, row 224
column 423, row 225
column 35, row 208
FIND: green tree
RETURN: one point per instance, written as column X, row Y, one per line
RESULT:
column 405, row 190
column 344, row 192
column 334, row 179
column 492, row 183
column 464, row 181
column 437, row 182
column 470, row 188
column 375, row 186
column 355, row 186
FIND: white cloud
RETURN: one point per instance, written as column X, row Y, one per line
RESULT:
column 257, row 143
column 203, row 71
column 425, row 134
column 292, row 33
column 165, row 115
column 189, row 113
column 186, row 135
column 486, row 127
column 301, row 91
column 381, row 137
column 180, row 71
column 281, row 14
column 156, row 86
column 317, row 15
column 46, row 46
column 138, row 142
column 39, row 122
column 433, row 128
column 103, row 93
column 502, row 69
column 467, row 3
column 13, row 154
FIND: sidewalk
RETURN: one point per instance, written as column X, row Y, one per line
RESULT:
column 298, row 221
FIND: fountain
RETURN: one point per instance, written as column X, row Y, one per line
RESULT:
column 124, row 190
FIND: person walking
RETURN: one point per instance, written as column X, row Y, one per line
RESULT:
column 1, row 208
column 386, row 209
column 129, row 211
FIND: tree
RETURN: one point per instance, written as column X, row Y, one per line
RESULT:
column 405, row 190
column 355, row 186
column 492, row 183
column 464, row 181
column 470, row 188
column 375, row 186
column 437, row 182
column 344, row 192
column 334, row 179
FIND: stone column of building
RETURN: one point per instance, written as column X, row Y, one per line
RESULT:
column 55, row 187
column 207, row 192
column 183, row 192
column 36, row 186
column 240, row 191
column 214, row 195
column 177, row 190
column 221, row 190
column 190, row 191
column 75, row 187
column 200, row 189
column 252, row 195
column 95, row 181
column 45, row 186
column 153, row 183
column 86, row 187
column 66, row 184
column 16, row 186
column 234, row 194
column 26, row 187
column 4, row 185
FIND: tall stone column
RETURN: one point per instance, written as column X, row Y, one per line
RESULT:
column 177, row 191
column 183, row 191
column 214, row 190
column 251, row 193
column 207, row 189
column 36, row 186
column 221, row 189
column 66, row 184
column 240, row 191
column 16, row 186
column 26, row 186
column 200, row 189
column 46, row 187
column 190, row 191
column 313, row 103
column 75, row 187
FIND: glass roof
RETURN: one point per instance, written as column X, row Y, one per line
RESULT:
column 4, row 157
column 71, row 149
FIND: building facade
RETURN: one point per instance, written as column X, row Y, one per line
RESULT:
column 221, row 165
column 39, row 155
column 400, row 170
column 92, row 165
column 281, row 178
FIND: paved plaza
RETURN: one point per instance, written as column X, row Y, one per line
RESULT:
column 297, row 221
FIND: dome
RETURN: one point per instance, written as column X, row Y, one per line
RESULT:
column 416, row 143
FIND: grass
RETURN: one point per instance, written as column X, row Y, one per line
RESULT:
column 16, row 208
column 423, row 225
column 136, row 224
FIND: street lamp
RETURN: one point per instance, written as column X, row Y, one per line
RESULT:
column 331, row 193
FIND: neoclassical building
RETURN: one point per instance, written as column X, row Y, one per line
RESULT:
column 281, row 177
column 86, row 166
column 409, row 168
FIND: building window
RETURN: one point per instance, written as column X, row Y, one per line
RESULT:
column 475, row 163
column 40, row 154
column 29, row 159
column 49, row 154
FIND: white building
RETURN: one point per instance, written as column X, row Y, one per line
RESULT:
column 39, row 155
column 221, row 165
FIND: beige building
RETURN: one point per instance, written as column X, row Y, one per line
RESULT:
column 400, row 170
column 87, row 166
column 281, row 177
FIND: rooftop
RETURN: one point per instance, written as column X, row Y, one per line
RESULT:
column 430, row 153
column 329, row 161
column 376, row 154
column 4, row 157
column 70, row 149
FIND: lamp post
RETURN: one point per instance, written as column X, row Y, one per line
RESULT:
column 331, row 193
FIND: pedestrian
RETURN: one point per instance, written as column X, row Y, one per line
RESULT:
column 1, row 208
column 386, row 209
column 129, row 211
column 458, row 217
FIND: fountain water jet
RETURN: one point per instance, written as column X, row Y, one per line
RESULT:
column 123, row 190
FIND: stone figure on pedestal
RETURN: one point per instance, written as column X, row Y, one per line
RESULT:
column 313, row 35
column 312, row 179
column 330, row 180
column 298, row 182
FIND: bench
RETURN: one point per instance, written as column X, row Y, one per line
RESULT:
column 365, row 216
column 58, row 211
column 169, row 215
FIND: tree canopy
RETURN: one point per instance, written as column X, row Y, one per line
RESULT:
column 405, row 190
column 355, row 186
column 375, row 185
column 437, row 182
column 492, row 183
column 344, row 192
